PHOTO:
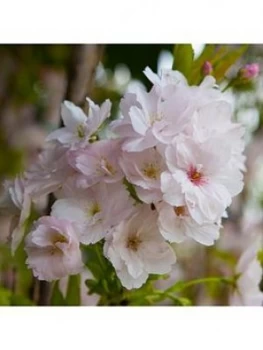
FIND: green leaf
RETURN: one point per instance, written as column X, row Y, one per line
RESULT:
column 20, row 300
column 183, row 59
column 73, row 291
column 57, row 298
column 131, row 189
column 5, row 296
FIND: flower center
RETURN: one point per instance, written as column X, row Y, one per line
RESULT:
column 133, row 243
column 196, row 176
column 180, row 211
column 94, row 209
column 151, row 171
column 107, row 167
column 155, row 117
column 81, row 131
column 58, row 238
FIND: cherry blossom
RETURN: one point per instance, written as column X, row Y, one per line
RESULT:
column 144, row 170
column 136, row 249
column 53, row 249
column 17, row 201
column 78, row 127
column 98, row 162
column 176, row 225
column 95, row 210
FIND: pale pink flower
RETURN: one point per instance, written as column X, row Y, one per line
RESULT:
column 171, row 81
column 95, row 210
column 159, row 115
column 136, row 249
column 201, row 177
column 151, row 120
column 213, row 120
column 144, row 169
column 98, row 161
column 17, row 202
column 176, row 225
column 49, row 172
column 250, row 274
column 53, row 249
column 137, row 132
column 78, row 127
column 168, row 77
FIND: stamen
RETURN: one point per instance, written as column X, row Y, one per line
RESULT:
column 196, row 176
column 180, row 211
column 133, row 243
column 151, row 171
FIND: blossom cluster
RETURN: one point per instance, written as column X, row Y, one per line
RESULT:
column 164, row 172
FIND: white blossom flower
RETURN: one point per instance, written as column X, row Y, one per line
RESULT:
column 136, row 249
column 78, row 127
column 49, row 172
column 53, row 249
column 17, row 202
column 168, row 77
column 144, row 169
column 200, row 177
column 98, row 162
column 176, row 225
column 95, row 210
column 250, row 274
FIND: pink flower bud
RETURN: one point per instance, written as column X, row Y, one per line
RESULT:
column 249, row 71
column 207, row 68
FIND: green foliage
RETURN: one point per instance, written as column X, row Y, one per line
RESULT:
column 222, row 65
column 183, row 59
column 106, row 284
column 8, row 298
column 73, row 291
column 222, row 57
column 11, row 159
column 105, row 281
column 57, row 298
column 131, row 189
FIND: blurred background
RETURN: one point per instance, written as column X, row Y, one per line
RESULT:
column 35, row 79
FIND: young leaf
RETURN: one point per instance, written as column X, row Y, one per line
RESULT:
column 183, row 58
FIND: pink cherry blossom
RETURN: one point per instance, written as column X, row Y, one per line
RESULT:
column 144, row 169
column 78, row 127
column 98, row 162
column 49, row 172
column 204, row 179
column 95, row 210
column 136, row 249
column 53, row 249
column 17, row 201
column 176, row 225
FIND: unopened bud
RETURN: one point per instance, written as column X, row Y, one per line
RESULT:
column 249, row 71
column 207, row 68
